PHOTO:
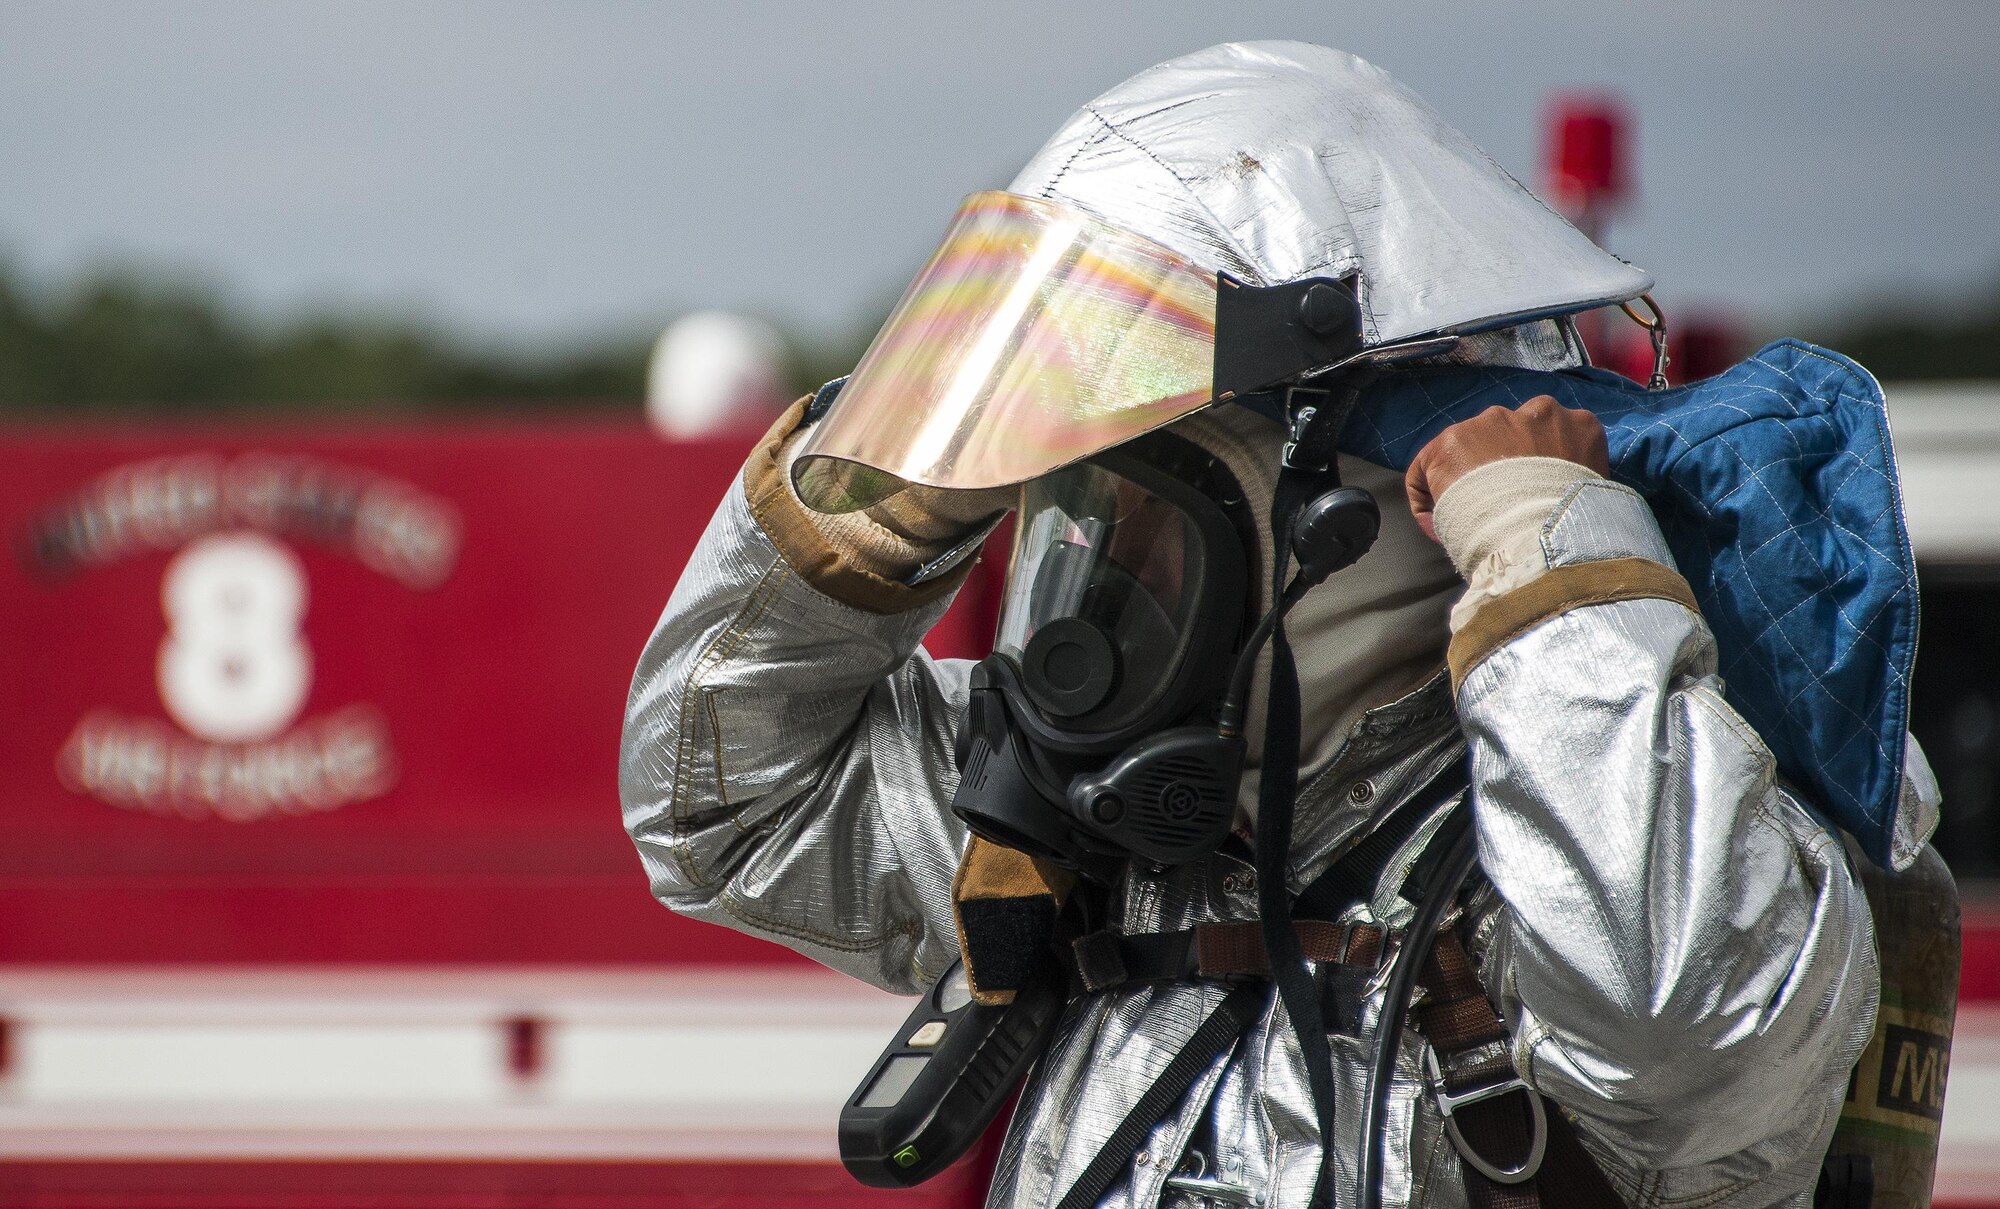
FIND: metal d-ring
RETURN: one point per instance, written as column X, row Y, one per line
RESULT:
column 1659, row 319
column 1449, row 1104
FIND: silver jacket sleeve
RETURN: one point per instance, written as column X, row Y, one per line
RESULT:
column 1684, row 957
column 786, row 767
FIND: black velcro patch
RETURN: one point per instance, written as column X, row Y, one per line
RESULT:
column 1005, row 939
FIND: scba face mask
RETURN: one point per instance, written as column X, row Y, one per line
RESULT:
column 1107, row 723
column 1126, row 601
column 1127, row 586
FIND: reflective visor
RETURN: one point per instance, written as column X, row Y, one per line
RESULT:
column 1036, row 335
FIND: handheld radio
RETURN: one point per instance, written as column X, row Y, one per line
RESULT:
column 943, row 1079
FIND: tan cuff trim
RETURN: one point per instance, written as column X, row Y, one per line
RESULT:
column 1556, row 592
column 791, row 528
column 992, row 870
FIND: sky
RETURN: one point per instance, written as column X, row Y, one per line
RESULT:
column 535, row 174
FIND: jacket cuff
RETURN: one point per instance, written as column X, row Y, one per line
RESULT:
column 1490, row 522
column 1493, row 507
column 1597, row 544
column 819, row 558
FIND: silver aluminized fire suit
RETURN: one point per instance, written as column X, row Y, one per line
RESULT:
column 1680, row 953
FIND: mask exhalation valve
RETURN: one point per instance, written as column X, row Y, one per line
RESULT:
column 1168, row 799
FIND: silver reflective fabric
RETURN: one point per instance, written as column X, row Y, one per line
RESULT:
column 1281, row 160
column 1683, row 957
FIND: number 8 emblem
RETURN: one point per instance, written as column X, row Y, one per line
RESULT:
column 234, row 666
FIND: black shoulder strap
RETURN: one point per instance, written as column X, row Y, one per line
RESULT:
column 1216, row 1034
column 1309, row 467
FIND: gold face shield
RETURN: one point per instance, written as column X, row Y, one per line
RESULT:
column 1035, row 336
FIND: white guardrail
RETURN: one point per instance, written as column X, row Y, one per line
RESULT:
column 699, row 1064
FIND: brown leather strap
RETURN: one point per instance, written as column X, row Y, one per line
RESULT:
column 1457, row 1019
column 1227, row 951
column 1236, row 950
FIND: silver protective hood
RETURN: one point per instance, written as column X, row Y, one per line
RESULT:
column 1275, row 161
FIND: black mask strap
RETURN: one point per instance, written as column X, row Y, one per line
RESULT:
column 1315, row 419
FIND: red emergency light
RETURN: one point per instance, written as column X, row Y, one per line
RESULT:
column 1586, row 153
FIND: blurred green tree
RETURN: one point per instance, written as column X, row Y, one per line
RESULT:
column 1912, row 342
column 133, row 345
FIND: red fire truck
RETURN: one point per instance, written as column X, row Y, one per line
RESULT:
column 312, row 885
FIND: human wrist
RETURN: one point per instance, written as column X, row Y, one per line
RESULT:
column 1489, row 508
column 1490, row 523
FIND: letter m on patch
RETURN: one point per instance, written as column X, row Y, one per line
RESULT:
column 1914, row 1066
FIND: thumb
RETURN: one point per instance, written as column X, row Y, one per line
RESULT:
column 1417, row 486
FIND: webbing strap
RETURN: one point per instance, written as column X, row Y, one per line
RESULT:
column 1108, row 959
column 1237, row 950
column 1456, row 1015
column 1105, row 960
column 1352, row 878
column 1309, row 467
column 1570, row 1178
column 1216, row 1034
column 1468, row 1038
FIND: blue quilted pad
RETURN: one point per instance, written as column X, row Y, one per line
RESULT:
column 1776, row 489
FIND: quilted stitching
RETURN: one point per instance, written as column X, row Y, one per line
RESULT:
column 1775, row 487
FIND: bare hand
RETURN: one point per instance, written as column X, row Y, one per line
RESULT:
column 1541, row 427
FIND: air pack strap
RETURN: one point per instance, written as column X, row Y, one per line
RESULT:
column 1237, row 952
column 1223, row 952
column 1353, row 877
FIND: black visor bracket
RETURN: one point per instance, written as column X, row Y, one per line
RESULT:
column 1267, row 334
